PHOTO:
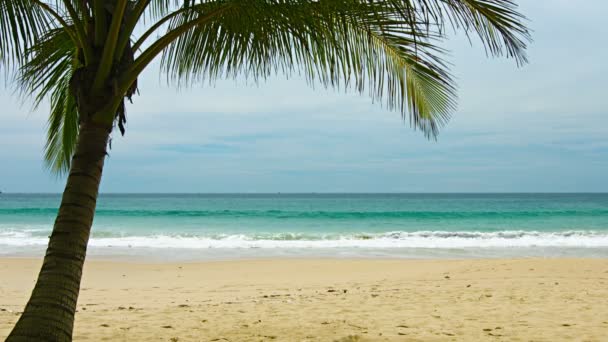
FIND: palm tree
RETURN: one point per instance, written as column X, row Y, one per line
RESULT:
column 85, row 56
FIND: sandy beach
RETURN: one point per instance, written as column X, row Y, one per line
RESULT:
column 330, row 300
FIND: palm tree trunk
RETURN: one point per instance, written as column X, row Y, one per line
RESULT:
column 49, row 314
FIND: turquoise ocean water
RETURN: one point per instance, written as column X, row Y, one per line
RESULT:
column 207, row 226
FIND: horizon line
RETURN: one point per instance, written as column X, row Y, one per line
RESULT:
column 326, row 193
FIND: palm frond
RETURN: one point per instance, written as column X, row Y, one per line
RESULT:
column 388, row 49
column 47, row 74
column 21, row 24
column 48, row 62
column 497, row 23
column 157, row 9
column 337, row 43
column 62, row 131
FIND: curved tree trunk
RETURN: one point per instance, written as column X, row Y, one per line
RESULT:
column 49, row 314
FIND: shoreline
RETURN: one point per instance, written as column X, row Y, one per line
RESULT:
column 329, row 257
column 330, row 299
column 193, row 255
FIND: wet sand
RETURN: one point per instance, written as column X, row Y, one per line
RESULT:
column 330, row 299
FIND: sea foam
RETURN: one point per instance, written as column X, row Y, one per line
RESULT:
column 395, row 239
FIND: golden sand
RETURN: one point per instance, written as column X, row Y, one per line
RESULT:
column 331, row 299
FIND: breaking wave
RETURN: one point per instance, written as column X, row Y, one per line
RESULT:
column 396, row 239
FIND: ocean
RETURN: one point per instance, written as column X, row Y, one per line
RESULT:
column 230, row 226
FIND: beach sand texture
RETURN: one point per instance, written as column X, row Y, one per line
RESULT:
column 330, row 300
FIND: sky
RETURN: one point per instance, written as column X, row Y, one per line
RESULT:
column 539, row 128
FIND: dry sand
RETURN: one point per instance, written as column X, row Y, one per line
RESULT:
column 328, row 300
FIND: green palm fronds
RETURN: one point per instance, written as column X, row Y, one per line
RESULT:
column 390, row 50
column 47, row 74
column 22, row 22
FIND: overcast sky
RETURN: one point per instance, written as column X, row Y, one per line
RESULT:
column 540, row 128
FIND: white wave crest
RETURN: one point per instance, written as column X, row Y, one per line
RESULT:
column 420, row 239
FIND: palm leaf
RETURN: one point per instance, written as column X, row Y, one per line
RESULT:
column 21, row 24
column 62, row 132
column 338, row 43
column 497, row 23
column 389, row 48
column 47, row 74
